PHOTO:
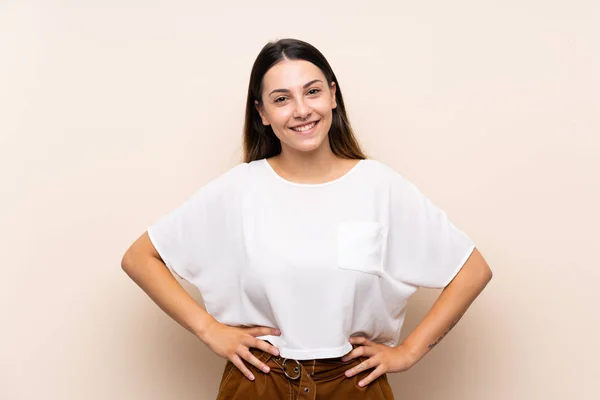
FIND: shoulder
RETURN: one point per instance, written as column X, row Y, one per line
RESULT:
column 224, row 184
column 376, row 165
column 381, row 170
column 395, row 183
column 232, row 175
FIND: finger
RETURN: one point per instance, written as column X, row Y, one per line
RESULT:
column 262, row 331
column 361, row 351
column 377, row 372
column 251, row 358
column 266, row 347
column 367, row 364
column 359, row 340
column 237, row 361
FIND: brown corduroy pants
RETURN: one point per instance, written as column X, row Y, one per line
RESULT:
column 321, row 379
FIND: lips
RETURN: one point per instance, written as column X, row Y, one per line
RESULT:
column 310, row 126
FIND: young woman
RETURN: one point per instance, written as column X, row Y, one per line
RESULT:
column 307, row 252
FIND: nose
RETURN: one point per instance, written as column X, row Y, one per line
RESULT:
column 302, row 110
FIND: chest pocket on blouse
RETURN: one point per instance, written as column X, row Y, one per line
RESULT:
column 361, row 246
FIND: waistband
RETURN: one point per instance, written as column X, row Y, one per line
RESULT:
column 318, row 369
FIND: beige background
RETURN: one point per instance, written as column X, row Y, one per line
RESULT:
column 113, row 112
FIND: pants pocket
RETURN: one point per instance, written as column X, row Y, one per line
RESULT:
column 232, row 376
column 379, row 389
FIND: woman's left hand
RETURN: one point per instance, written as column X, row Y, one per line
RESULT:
column 379, row 356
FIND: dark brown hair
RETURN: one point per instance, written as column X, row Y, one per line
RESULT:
column 260, row 140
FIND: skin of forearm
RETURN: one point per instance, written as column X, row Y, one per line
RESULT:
column 450, row 306
column 154, row 278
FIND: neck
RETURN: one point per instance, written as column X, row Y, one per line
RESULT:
column 309, row 165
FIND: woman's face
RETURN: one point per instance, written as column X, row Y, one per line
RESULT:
column 295, row 96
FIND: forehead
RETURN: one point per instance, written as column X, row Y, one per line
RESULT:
column 288, row 74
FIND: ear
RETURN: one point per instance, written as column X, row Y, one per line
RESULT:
column 260, row 110
column 332, row 90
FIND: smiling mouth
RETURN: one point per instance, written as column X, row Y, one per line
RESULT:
column 305, row 128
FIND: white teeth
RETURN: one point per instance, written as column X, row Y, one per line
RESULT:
column 305, row 127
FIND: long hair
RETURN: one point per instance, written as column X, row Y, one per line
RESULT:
column 260, row 140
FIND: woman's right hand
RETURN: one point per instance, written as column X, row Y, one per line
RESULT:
column 234, row 343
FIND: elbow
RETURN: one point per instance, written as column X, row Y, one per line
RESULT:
column 484, row 271
column 488, row 275
column 125, row 262
column 138, row 253
column 128, row 261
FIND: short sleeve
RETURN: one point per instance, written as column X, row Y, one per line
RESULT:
column 425, row 248
column 193, row 235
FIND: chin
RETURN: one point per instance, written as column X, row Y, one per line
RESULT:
column 309, row 146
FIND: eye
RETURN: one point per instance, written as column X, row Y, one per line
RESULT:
column 277, row 100
column 314, row 91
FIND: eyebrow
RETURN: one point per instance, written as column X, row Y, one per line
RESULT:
column 304, row 87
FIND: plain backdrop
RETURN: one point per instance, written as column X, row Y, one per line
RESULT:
column 114, row 112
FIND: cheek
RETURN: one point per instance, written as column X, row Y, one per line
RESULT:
column 280, row 116
column 325, row 106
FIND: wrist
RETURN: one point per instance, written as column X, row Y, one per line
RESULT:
column 203, row 326
column 409, row 353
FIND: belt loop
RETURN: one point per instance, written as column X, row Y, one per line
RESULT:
column 265, row 356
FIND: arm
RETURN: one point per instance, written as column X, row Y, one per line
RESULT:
column 450, row 306
column 143, row 265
